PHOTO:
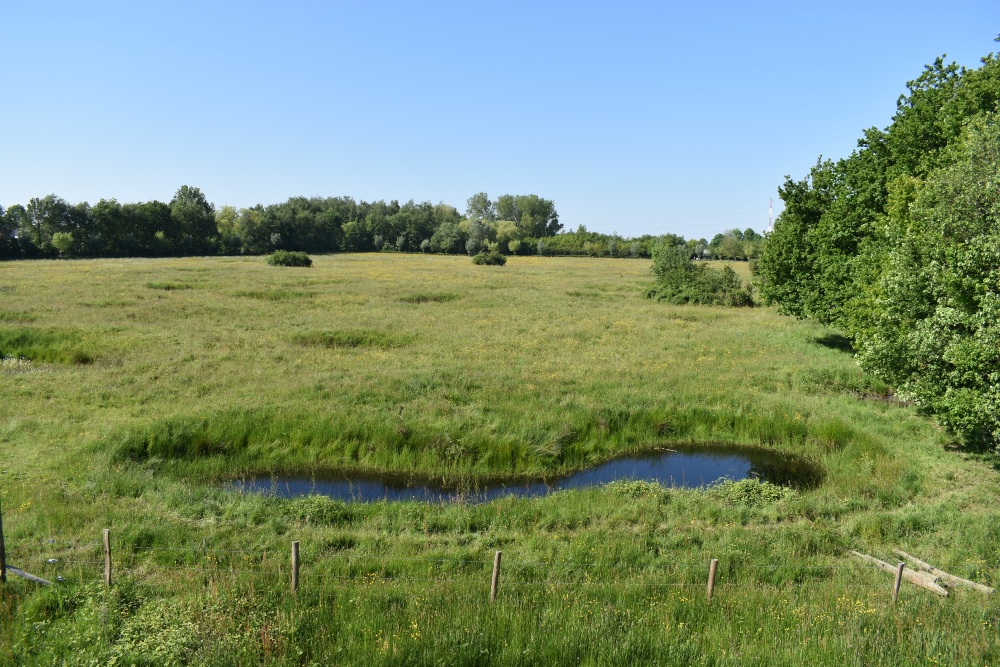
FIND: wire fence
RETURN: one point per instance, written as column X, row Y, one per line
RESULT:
column 57, row 561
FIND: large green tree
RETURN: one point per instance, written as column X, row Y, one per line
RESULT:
column 869, row 244
column 195, row 218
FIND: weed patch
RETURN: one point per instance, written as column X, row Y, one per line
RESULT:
column 169, row 287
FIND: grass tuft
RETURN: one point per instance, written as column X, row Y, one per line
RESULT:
column 429, row 297
column 350, row 338
column 16, row 317
column 275, row 294
column 44, row 345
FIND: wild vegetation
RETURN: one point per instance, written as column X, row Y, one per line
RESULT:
column 898, row 247
column 429, row 364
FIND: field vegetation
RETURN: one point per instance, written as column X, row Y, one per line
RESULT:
column 429, row 364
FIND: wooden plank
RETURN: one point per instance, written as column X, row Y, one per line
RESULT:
column 295, row 567
column 921, row 579
column 27, row 575
column 941, row 574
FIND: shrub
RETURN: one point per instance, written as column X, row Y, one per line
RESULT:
column 637, row 489
column 289, row 258
column 751, row 492
column 491, row 258
column 320, row 510
column 681, row 281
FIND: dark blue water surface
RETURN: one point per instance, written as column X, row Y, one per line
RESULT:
column 689, row 468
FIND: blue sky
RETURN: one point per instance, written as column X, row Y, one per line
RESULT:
column 633, row 117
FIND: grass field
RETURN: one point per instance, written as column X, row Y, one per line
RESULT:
column 131, row 389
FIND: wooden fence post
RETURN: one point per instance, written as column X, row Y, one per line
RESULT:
column 295, row 567
column 107, row 557
column 3, row 553
column 496, row 576
column 711, row 578
column 899, row 580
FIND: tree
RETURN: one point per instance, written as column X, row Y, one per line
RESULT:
column 537, row 217
column 195, row 218
column 479, row 207
column 931, row 326
column 448, row 238
column 895, row 246
column 477, row 236
column 63, row 242
column 506, row 209
column 44, row 217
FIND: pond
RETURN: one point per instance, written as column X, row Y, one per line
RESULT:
column 688, row 467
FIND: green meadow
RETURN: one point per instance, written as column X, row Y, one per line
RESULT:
column 131, row 390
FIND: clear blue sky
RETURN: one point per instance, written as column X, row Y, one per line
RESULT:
column 633, row 117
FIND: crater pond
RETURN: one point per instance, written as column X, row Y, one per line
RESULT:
column 688, row 467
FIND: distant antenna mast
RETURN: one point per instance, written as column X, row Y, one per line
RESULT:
column 770, row 211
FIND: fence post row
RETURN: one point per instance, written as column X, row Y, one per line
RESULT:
column 495, row 581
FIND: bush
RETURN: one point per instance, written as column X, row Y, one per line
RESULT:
column 289, row 258
column 681, row 281
column 491, row 258
column 751, row 492
column 638, row 489
column 320, row 510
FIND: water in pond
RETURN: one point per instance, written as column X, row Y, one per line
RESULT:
column 688, row 468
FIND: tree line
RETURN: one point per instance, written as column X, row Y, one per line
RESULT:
column 48, row 227
column 898, row 246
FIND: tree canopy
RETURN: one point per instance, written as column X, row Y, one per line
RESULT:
column 898, row 245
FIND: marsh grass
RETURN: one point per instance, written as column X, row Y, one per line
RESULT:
column 516, row 376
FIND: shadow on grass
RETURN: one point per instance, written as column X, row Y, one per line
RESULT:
column 836, row 342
